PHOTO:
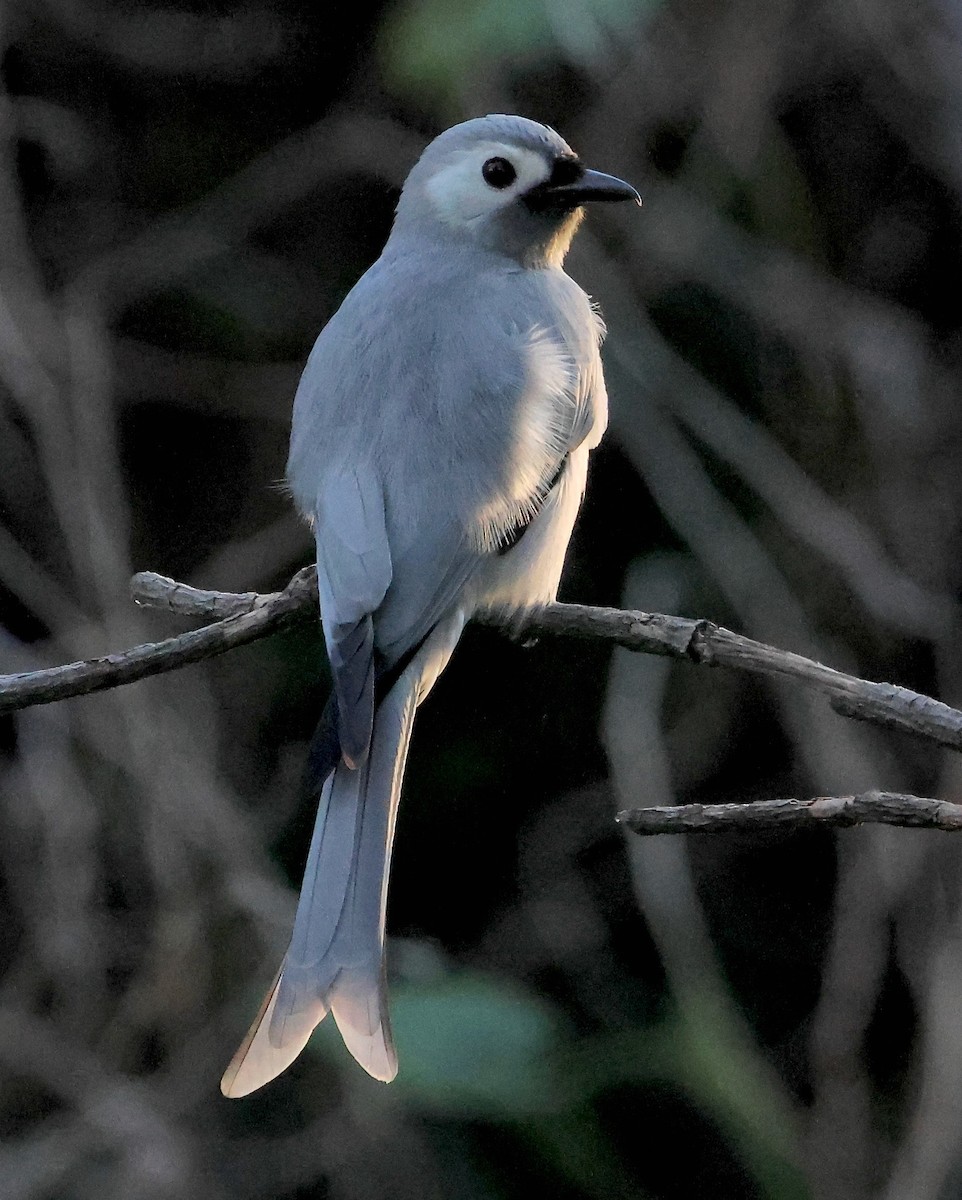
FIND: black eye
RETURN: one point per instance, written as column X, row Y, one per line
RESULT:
column 499, row 173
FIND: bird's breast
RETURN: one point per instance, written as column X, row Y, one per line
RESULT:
column 537, row 427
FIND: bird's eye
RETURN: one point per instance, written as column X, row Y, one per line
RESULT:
column 499, row 173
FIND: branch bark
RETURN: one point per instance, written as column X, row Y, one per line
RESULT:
column 254, row 617
column 867, row 808
column 239, row 618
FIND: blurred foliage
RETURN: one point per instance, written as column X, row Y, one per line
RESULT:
column 476, row 1050
column 429, row 46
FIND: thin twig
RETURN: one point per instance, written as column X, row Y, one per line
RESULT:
column 159, row 591
column 245, row 617
column 867, row 808
column 267, row 615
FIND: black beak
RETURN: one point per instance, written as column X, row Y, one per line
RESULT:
column 588, row 186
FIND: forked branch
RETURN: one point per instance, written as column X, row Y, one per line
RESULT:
column 238, row 618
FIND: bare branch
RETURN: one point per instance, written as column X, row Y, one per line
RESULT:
column 708, row 644
column 244, row 617
column 159, row 591
column 267, row 615
column 867, row 808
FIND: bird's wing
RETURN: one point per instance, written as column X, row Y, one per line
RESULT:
column 371, row 628
column 354, row 572
column 564, row 404
column 583, row 334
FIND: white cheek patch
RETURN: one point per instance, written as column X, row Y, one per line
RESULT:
column 461, row 196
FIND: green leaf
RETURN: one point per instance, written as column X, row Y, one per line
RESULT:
column 474, row 1047
column 429, row 45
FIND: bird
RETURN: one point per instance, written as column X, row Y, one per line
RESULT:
column 439, row 451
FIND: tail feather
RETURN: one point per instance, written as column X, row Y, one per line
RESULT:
column 258, row 1059
column 360, row 1008
column 328, row 873
column 358, row 999
column 335, row 959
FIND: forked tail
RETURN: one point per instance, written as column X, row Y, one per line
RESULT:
column 335, row 960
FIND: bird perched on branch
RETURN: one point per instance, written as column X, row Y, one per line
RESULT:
column 439, row 449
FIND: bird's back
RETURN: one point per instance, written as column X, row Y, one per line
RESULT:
column 446, row 371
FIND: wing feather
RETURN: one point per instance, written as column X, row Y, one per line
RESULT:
column 354, row 572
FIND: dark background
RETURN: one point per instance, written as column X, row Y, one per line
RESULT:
column 186, row 194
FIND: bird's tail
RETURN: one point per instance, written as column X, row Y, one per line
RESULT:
column 335, row 961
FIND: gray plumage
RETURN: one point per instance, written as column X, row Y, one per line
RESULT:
column 439, row 448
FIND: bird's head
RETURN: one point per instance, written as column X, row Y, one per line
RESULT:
column 505, row 183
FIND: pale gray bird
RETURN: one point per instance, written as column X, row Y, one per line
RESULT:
column 439, row 449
